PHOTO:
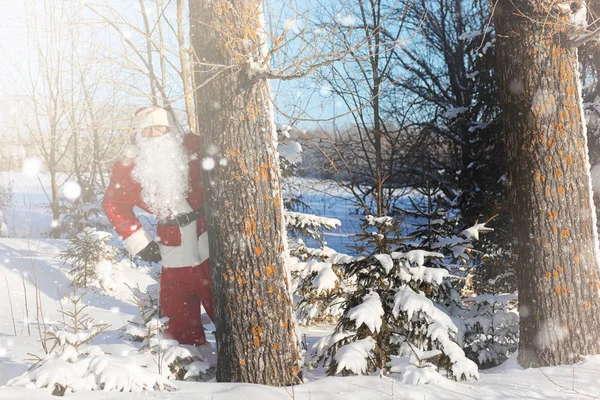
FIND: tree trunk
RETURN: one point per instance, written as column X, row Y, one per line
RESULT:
column 255, row 336
column 554, row 226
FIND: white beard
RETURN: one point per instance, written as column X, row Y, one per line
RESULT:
column 161, row 169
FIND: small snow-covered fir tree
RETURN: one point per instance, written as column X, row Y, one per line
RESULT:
column 488, row 323
column 397, row 318
column 79, row 215
column 489, row 333
column 142, row 326
column 174, row 361
column 91, row 257
column 73, row 364
column 318, row 283
column 320, row 286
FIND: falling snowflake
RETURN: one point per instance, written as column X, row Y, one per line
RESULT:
column 71, row 190
column 208, row 163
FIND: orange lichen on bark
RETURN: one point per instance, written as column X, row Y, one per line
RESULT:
column 548, row 275
column 571, row 91
column 547, row 192
column 275, row 347
column 569, row 160
column 561, row 191
column 557, row 173
column 256, row 332
column 561, row 290
column 576, row 259
column 552, row 215
column 271, row 289
column 242, row 363
column 249, row 227
column 565, row 233
column 269, row 269
column 258, row 250
column 259, row 302
column 554, row 228
column 555, row 53
column 560, row 128
column 264, row 172
column 539, row 178
column 277, row 202
column 252, row 111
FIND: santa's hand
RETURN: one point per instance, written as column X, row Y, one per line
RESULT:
column 151, row 253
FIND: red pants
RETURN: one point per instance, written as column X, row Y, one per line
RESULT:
column 181, row 292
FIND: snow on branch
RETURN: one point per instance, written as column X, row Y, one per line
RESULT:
column 353, row 356
column 369, row 312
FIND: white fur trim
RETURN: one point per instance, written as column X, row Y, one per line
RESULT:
column 158, row 116
column 203, row 247
column 186, row 254
column 137, row 241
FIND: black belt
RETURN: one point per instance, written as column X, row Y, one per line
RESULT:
column 183, row 219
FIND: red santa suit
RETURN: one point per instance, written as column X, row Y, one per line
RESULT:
column 185, row 278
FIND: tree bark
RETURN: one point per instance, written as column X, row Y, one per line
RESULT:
column 256, row 337
column 554, row 223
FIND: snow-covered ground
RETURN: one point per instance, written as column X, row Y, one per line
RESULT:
column 27, row 258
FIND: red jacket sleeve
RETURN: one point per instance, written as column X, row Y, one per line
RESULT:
column 118, row 203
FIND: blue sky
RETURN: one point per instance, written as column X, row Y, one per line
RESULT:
column 312, row 98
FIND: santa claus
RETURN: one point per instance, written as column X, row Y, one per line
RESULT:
column 160, row 174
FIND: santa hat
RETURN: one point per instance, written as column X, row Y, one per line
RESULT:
column 152, row 116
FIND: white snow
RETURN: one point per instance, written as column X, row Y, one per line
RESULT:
column 291, row 151
column 416, row 256
column 369, row 312
column 474, row 231
column 122, row 366
column 353, row 356
column 326, row 279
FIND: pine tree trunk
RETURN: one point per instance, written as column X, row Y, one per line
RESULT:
column 554, row 223
column 255, row 327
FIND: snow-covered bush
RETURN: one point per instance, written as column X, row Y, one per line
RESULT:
column 91, row 258
column 173, row 361
column 182, row 362
column 310, row 226
column 400, row 307
column 74, row 364
column 143, row 326
column 490, row 328
column 79, row 215
column 319, row 285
